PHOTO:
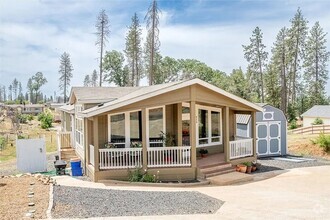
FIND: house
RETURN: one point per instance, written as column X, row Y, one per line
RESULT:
column 160, row 128
column 32, row 109
column 317, row 111
column 271, row 126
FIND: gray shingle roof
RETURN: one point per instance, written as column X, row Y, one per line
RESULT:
column 243, row 118
column 318, row 111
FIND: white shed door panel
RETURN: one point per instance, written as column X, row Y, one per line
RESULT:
column 268, row 138
column 31, row 155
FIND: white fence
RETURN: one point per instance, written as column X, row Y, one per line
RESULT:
column 91, row 155
column 241, row 148
column 169, row 156
column 121, row 158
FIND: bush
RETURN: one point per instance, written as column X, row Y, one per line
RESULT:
column 30, row 117
column 323, row 141
column 317, row 121
column 46, row 120
column 137, row 176
column 293, row 124
column 23, row 118
column 2, row 142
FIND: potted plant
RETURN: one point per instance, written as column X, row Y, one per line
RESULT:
column 203, row 152
column 254, row 166
column 248, row 167
column 241, row 168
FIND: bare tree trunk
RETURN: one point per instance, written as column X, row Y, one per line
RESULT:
column 101, row 54
column 151, row 80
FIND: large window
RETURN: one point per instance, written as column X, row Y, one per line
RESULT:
column 79, row 132
column 209, row 126
column 156, row 124
column 117, row 129
column 125, row 128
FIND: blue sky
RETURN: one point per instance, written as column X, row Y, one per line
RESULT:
column 33, row 34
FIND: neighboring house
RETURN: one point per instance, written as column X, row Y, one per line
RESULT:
column 317, row 111
column 32, row 109
column 271, row 126
column 120, row 128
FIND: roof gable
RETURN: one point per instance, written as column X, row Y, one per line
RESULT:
column 322, row 111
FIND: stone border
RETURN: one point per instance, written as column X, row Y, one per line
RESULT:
column 126, row 183
column 50, row 206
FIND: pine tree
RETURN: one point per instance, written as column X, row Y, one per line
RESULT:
column 152, row 44
column 238, row 84
column 94, row 79
column 279, row 63
column 87, row 81
column 14, row 88
column 102, row 33
column 30, row 89
column 10, row 91
column 256, row 56
column 20, row 91
column 273, row 86
column 315, row 64
column 296, row 43
column 133, row 51
column 65, row 72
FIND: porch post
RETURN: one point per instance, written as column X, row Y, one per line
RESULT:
column 86, row 142
column 193, row 133
column 144, row 139
column 226, row 146
column 179, row 125
column 96, row 143
column 254, row 133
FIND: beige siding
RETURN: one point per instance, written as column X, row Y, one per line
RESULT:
column 309, row 120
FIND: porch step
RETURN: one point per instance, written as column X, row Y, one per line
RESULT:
column 230, row 178
column 67, row 154
column 216, row 169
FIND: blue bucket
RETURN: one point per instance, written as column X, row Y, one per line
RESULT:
column 76, row 171
column 75, row 164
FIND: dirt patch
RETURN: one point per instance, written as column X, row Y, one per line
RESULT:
column 301, row 144
column 14, row 198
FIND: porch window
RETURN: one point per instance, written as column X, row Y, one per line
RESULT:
column 156, row 126
column 135, row 126
column 209, row 126
column 79, row 132
column 117, row 130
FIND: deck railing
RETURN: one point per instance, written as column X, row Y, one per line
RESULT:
column 91, row 155
column 241, row 148
column 64, row 140
column 169, row 156
column 122, row 158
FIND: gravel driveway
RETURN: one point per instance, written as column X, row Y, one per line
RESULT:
column 81, row 202
column 270, row 164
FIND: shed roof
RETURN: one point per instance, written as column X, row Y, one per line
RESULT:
column 67, row 108
column 243, row 118
column 142, row 93
column 318, row 111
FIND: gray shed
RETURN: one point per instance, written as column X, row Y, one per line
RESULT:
column 271, row 127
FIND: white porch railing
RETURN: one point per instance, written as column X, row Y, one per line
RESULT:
column 241, row 148
column 169, row 156
column 91, row 155
column 121, row 158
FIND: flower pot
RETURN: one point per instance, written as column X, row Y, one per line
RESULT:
column 237, row 168
column 242, row 168
column 254, row 168
column 249, row 169
column 203, row 155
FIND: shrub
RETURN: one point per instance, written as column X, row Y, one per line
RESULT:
column 137, row 176
column 293, row 124
column 323, row 141
column 317, row 121
column 2, row 142
column 46, row 120
column 30, row 117
column 22, row 118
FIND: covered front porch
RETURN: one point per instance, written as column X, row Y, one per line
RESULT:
column 171, row 154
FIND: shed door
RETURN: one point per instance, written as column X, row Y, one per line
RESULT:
column 268, row 138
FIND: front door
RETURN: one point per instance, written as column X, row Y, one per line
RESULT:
column 268, row 138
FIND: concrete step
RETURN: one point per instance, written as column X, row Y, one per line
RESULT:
column 215, row 168
column 230, row 178
column 213, row 165
column 219, row 172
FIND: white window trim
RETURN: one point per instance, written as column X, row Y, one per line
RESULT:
column 147, row 123
column 268, row 119
column 209, row 138
column 127, row 126
column 81, row 133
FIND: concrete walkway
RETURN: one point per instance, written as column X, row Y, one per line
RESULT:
column 302, row 193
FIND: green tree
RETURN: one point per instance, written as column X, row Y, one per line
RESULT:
column 238, row 84
column 94, row 79
column 15, row 88
column 38, row 80
column 273, row 86
column 152, row 42
column 256, row 56
column 133, row 51
column 10, row 91
column 279, row 63
column 30, row 89
column 65, row 72
column 296, row 43
column 169, row 69
column 87, row 81
column 315, row 64
column 115, row 71
column 102, row 33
